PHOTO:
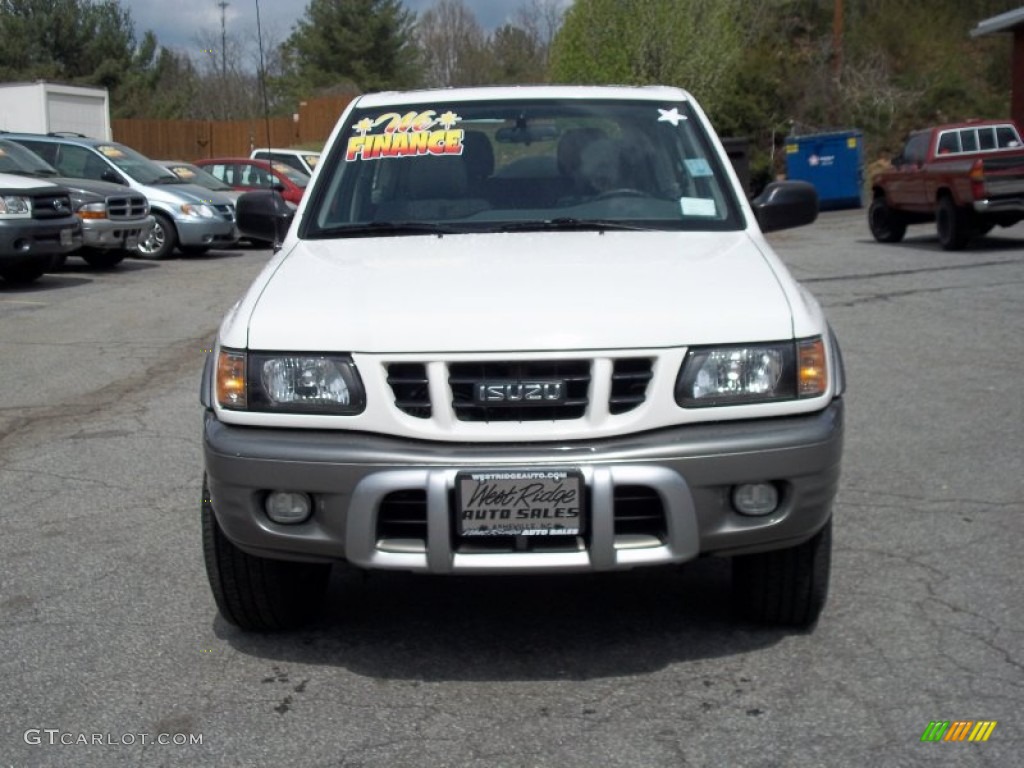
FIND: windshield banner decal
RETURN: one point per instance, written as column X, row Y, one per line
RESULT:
column 410, row 135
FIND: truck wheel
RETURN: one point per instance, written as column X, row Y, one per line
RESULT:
column 102, row 259
column 886, row 224
column 22, row 274
column 258, row 593
column 161, row 241
column 787, row 586
column 953, row 225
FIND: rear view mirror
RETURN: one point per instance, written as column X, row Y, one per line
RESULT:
column 522, row 133
column 263, row 216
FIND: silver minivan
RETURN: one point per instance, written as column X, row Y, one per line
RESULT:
column 187, row 216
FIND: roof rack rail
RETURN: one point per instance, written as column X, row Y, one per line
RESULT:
column 68, row 134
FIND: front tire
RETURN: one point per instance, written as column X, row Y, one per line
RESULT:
column 161, row 241
column 107, row 259
column 23, row 274
column 953, row 225
column 785, row 587
column 887, row 225
column 257, row 593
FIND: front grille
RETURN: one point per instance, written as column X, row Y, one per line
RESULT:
column 630, row 377
column 226, row 211
column 408, row 382
column 463, row 378
column 126, row 207
column 403, row 515
column 51, row 206
column 639, row 512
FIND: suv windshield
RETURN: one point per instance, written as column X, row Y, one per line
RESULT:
column 137, row 166
column 499, row 166
column 14, row 158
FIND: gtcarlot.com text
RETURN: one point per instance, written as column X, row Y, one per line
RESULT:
column 53, row 736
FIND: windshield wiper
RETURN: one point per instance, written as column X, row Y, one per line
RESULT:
column 387, row 228
column 161, row 180
column 565, row 223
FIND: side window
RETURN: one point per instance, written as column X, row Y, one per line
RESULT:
column 987, row 138
column 949, row 142
column 220, row 171
column 1006, row 137
column 254, row 176
column 79, row 163
column 44, row 149
column 969, row 139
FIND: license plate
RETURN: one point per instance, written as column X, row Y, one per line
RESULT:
column 65, row 237
column 519, row 503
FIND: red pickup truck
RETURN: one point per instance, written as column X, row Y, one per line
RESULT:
column 966, row 177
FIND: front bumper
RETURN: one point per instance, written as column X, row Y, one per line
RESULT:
column 111, row 234
column 1010, row 205
column 219, row 232
column 687, row 472
column 25, row 240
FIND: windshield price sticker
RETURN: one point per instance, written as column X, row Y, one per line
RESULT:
column 519, row 503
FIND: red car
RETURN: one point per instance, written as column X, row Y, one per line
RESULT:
column 246, row 174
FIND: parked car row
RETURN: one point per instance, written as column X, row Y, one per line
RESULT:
column 117, row 202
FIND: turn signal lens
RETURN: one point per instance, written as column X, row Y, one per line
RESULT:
column 812, row 369
column 231, row 379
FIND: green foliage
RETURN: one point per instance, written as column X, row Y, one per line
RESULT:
column 73, row 41
column 767, row 68
column 695, row 44
column 368, row 42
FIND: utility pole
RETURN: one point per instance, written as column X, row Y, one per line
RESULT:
column 837, row 58
column 223, row 40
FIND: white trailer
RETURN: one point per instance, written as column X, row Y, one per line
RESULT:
column 43, row 107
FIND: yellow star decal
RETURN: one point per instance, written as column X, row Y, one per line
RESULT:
column 448, row 119
column 363, row 126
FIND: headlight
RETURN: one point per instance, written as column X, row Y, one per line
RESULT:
column 197, row 210
column 752, row 373
column 290, row 383
column 15, row 207
column 93, row 211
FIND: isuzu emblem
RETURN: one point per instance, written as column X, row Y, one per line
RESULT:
column 516, row 392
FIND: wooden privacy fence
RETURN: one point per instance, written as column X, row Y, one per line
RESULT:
column 195, row 139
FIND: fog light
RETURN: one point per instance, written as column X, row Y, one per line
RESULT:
column 288, row 508
column 755, row 498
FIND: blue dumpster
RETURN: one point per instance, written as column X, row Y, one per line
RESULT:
column 832, row 162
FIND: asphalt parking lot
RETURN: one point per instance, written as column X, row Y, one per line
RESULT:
column 112, row 637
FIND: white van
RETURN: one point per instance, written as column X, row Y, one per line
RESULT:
column 300, row 159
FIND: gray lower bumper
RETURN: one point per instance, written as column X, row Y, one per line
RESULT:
column 206, row 232
column 690, row 470
column 115, row 234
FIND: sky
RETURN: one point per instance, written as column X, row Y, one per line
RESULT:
column 177, row 23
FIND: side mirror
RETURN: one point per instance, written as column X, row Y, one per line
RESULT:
column 786, row 204
column 263, row 216
column 113, row 177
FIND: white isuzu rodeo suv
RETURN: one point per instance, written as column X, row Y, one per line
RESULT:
column 520, row 330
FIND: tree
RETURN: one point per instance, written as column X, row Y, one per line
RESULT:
column 452, row 46
column 369, row 42
column 697, row 44
column 73, row 41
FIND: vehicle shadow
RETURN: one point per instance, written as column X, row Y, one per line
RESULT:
column 930, row 242
column 508, row 628
column 51, row 281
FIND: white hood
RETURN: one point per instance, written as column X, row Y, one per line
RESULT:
column 519, row 292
